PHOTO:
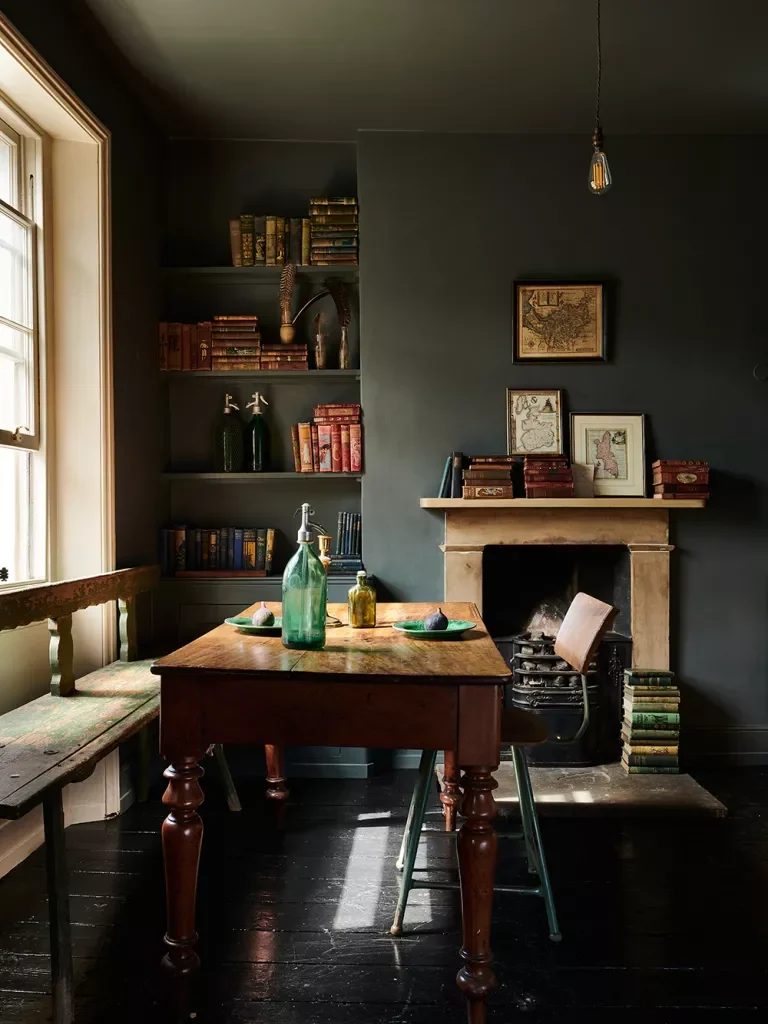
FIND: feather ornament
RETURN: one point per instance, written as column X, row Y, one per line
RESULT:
column 287, row 284
column 340, row 297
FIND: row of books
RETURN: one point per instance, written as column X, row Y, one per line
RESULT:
column 477, row 476
column 334, row 231
column 346, row 558
column 547, row 476
column 679, row 479
column 333, row 443
column 650, row 731
column 328, row 236
column 225, row 551
column 226, row 343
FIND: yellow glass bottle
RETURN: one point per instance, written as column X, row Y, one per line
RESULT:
column 362, row 604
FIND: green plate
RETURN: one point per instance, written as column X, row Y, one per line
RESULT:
column 245, row 625
column 415, row 628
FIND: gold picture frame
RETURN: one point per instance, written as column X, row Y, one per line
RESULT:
column 559, row 322
column 614, row 443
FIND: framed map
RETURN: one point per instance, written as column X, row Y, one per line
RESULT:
column 534, row 422
column 559, row 322
column 614, row 443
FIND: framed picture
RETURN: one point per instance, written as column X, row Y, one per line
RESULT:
column 614, row 443
column 534, row 422
column 557, row 322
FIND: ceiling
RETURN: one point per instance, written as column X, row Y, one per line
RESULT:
column 321, row 69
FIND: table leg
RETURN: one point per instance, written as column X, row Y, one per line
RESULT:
column 182, row 838
column 449, row 795
column 276, row 787
column 477, row 847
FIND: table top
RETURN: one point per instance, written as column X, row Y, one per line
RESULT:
column 356, row 654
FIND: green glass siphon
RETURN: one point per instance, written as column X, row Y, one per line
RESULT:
column 305, row 594
column 362, row 604
column 228, row 445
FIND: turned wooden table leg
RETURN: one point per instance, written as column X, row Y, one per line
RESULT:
column 449, row 795
column 182, row 838
column 477, row 848
column 276, row 782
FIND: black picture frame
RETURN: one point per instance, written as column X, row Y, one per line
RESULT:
column 600, row 354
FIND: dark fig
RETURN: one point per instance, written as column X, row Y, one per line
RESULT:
column 436, row 621
column 263, row 616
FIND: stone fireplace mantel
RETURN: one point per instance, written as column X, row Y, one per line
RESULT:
column 640, row 524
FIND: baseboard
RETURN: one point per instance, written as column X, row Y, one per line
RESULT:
column 20, row 838
column 745, row 745
column 329, row 770
column 410, row 758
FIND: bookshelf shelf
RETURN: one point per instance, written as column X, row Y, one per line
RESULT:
column 249, row 581
column 273, row 376
column 254, row 275
column 256, row 478
column 586, row 503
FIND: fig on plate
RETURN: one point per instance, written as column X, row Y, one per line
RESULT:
column 436, row 621
column 263, row 616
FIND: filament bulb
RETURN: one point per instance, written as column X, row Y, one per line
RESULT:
column 599, row 173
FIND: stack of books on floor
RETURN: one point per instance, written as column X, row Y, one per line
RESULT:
column 334, row 231
column 650, row 731
column 226, row 551
column 236, row 343
column 547, row 476
column 269, row 240
column 333, row 443
column 277, row 356
column 675, row 480
column 347, row 559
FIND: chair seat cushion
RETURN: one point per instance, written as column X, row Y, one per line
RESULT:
column 522, row 729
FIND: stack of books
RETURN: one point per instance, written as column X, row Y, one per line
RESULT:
column 334, row 231
column 547, row 476
column 226, row 551
column 236, row 343
column 347, row 558
column 277, row 356
column 333, row 443
column 675, row 480
column 488, row 476
column 185, row 346
column 269, row 240
column 650, row 731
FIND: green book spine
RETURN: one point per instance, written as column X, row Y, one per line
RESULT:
column 663, row 718
column 246, row 239
column 650, row 734
column 259, row 240
column 648, row 673
column 261, row 549
column 270, row 249
column 642, row 770
column 651, row 706
column 651, row 760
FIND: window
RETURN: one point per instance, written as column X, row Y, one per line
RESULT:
column 22, row 477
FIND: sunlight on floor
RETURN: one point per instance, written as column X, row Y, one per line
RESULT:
column 358, row 905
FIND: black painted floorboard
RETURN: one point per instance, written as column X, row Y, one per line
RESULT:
column 662, row 921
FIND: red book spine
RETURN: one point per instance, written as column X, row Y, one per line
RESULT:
column 324, row 445
column 204, row 346
column 315, row 449
column 337, row 419
column 193, row 346
column 186, row 355
column 163, row 345
column 346, row 465
column 174, row 346
column 336, row 447
column 355, row 448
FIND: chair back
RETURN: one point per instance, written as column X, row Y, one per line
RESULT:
column 585, row 624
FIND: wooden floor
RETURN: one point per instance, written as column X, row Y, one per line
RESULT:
column 662, row 921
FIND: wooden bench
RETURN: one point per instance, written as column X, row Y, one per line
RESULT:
column 60, row 737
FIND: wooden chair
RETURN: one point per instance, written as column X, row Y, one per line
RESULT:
column 583, row 627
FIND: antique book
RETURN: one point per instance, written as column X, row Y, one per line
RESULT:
column 645, row 673
column 351, row 409
column 355, row 448
column 279, row 240
column 650, row 691
column 333, row 263
column 284, row 366
column 163, row 340
column 324, row 446
column 681, row 477
column 174, row 346
column 337, row 419
column 261, row 548
column 552, row 483
column 235, row 350
column 346, row 465
column 238, row 364
column 259, row 240
column 637, row 770
column 659, row 749
column 198, row 540
column 235, row 242
column 336, row 447
column 695, row 496
column 179, row 547
column 305, row 448
column 487, row 474
column 223, row 542
column 634, row 707
column 315, row 448
column 295, row 447
column 650, row 760
column 547, row 492
column 294, row 240
column 651, row 735
column 457, row 464
column 347, row 219
column 649, row 719
column 269, row 553
column 249, row 549
column 230, row 561
column 498, row 459
column 333, row 201
column 238, row 549
column 193, row 346
column 306, row 239
column 487, row 491
column 331, row 245
column 246, row 239
column 690, row 465
column 213, row 549
column 270, row 249
column 671, row 696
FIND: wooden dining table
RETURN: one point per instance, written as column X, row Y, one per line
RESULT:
column 373, row 687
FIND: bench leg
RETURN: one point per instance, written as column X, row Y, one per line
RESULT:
column 58, row 909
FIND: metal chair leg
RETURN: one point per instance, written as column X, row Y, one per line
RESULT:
column 413, row 834
column 233, row 800
column 528, row 813
column 58, row 909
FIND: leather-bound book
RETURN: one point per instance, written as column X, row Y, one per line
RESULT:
column 249, row 549
column 270, row 250
column 259, row 240
column 186, row 357
column 193, row 346
column 457, row 464
column 315, row 449
column 295, row 446
column 324, row 447
column 336, row 447
column 355, row 448
column 346, row 466
column 204, row 345
column 306, row 240
column 294, row 240
column 269, row 554
column 236, row 242
column 246, row 239
column 261, row 548
column 502, row 491
column 305, row 448
column 279, row 241
column 174, row 346
column 163, row 341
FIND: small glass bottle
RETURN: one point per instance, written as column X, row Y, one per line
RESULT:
column 362, row 603
column 305, row 594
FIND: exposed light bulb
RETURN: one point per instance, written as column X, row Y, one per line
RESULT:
column 599, row 172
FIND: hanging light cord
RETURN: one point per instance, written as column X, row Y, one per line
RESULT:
column 598, row 128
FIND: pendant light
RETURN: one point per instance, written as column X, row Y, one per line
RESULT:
column 599, row 172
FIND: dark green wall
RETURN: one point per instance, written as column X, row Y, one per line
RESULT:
column 63, row 35
column 448, row 223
